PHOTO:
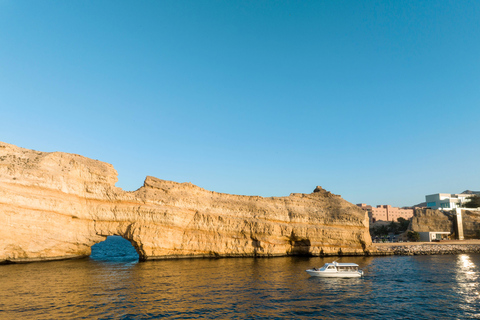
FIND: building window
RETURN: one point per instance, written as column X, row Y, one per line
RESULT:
column 431, row 204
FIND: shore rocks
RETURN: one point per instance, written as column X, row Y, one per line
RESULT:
column 426, row 249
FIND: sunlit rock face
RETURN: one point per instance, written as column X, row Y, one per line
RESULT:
column 57, row 205
column 425, row 220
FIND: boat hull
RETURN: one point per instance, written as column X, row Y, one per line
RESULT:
column 338, row 274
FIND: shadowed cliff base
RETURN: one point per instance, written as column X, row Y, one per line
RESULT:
column 57, row 205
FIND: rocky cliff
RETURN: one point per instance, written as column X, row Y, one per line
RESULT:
column 425, row 220
column 57, row 205
column 435, row 220
column 471, row 224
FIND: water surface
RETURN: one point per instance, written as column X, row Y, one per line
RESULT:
column 112, row 284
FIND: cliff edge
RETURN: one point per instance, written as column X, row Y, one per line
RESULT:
column 57, row 205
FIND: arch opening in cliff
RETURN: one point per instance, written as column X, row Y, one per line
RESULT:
column 116, row 249
column 66, row 203
column 301, row 247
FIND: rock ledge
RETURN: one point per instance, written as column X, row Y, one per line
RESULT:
column 57, row 205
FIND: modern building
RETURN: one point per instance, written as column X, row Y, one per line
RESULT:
column 386, row 212
column 433, row 236
column 446, row 201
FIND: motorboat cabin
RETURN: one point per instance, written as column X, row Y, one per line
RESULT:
column 336, row 270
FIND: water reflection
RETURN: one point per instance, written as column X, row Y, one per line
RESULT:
column 467, row 286
column 278, row 288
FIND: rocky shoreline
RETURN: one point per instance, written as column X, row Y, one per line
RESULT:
column 56, row 205
column 383, row 249
column 426, row 249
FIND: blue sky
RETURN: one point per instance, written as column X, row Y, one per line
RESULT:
column 378, row 101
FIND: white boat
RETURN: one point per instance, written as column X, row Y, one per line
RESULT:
column 336, row 270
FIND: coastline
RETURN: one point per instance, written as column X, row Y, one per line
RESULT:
column 427, row 248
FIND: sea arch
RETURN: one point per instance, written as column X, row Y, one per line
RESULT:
column 127, row 231
column 114, row 248
column 57, row 205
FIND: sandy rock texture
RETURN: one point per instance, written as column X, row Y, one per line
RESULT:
column 425, row 220
column 436, row 220
column 471, row 224
column 57, row 205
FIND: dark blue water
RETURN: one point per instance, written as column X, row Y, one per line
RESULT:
column 114, row 249
column 112, row 284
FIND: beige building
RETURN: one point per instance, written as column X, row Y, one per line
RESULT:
column 386, row 212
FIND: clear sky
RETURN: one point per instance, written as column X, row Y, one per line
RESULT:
column 378, row 101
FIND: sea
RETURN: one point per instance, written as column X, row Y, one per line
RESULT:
column 113, row 284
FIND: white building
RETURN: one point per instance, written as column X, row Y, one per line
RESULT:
column 432, row 236
column 446, row 201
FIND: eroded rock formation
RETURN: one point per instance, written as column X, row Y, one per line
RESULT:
column 57, row 205
column 436, row 220
column 425, row 220
column 471, row 224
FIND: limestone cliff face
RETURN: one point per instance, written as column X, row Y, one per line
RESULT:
column 471, row 224
column 425, row 220
column 435, row 220
column 57, row 205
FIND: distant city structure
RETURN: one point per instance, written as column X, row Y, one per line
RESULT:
column 447, row 201
column 386, row 212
